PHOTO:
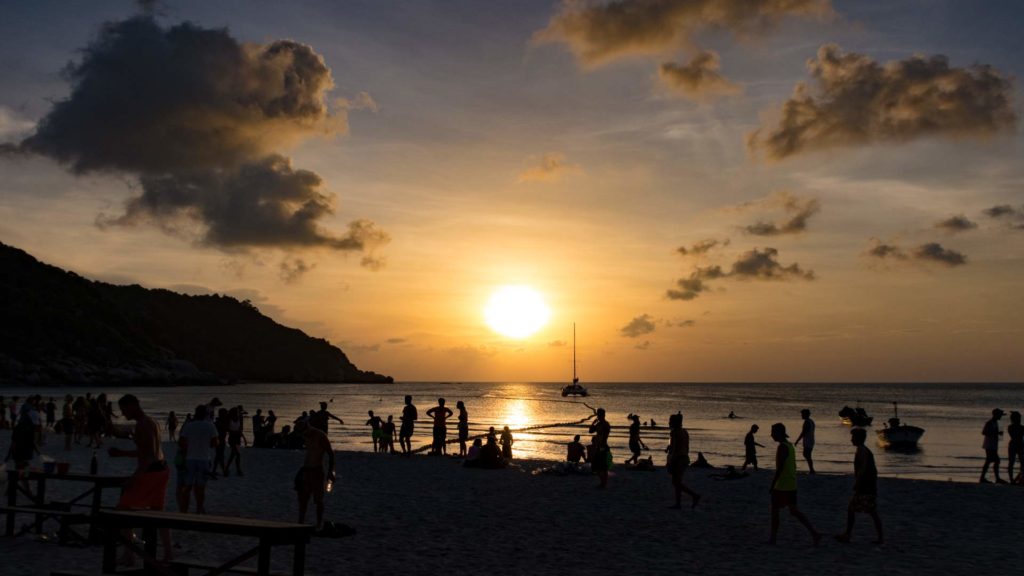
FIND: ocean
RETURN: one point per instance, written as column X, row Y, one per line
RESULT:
column 951, row 414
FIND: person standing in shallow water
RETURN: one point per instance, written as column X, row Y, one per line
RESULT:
column 807, row 437
column 463, row 427
column 409, row 417
column 440, row 414
column 599, row 463
column 750, row 446
column 387, row 432
column 506, row 443
column 375, row 424
column 992, row 433
column 865, row 487
column 679, row 460
column 783, row 487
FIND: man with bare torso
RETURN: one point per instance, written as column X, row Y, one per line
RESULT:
column 311, row 481
column 146, row 489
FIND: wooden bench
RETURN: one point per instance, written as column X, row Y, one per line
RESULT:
column 57, row 511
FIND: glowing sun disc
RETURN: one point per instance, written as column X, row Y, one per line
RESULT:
column 516, row 311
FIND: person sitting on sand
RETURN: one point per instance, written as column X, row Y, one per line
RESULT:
column 490, row 456
column 575, row 451
column 992, row 433
column 440, row 414
column 599, row 460
column 702, row 462
column 506, row 443
column 1015, row 448
column 409, row 417
column 679, row 459
column 310, row 481
column 473, row 454
column 387, row 435
column 783, row 487
column 729, row 474
column 750, row 446
column 865, row 487
column 375, row 425
column 635, row 443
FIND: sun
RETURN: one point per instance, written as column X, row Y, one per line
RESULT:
column 516, row 311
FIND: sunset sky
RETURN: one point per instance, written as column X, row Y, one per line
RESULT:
column 712, row 190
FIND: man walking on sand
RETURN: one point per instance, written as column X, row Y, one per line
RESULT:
column 750, row 446
column 311, row 478
column 865, row 487
column 147, row 487
column 807, row 436
column 991, row 432
column 409, row 416
column 196, row 442
column 783, row 487
column 679, row 459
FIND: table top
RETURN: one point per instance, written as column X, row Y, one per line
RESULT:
column 282, row 532
column 99, row 479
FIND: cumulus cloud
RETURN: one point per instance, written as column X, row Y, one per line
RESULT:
column 686, row 323
column 958, row 223
column 697, row 79
column 930, row 252
column 362, row 101
column 13, row 126
column 1002, row 210
column 934, row 252
column 701, row 247
column 755, row 264
column 799, row 211
column 643, row 324
column 600, row 32
column 854, row 100
column 197, row 117
column 645, row 345
column 552, row 168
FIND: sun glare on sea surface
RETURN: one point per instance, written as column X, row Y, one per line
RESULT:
column 516, row 311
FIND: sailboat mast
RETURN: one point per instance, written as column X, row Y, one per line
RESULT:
column 574, row 378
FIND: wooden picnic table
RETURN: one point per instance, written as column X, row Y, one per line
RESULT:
column 38, row 500
column 269, row 533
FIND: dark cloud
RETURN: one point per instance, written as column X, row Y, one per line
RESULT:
column 645, row 345
column 1002, row 210
column 698, row 79
column 934, row 252
column 855, row 100
column 958, row 223
column 701, row 247
column 396, row 340
column 762, row 265
column 799, row 210
column 638, row 326
column 599, row 32
column 928, row 252
column 197, row 117
column 684, row 324
column 552, row 168
column 752, row 265
column 292, row 270
column 558, row 344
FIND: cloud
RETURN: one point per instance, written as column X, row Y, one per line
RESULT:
column 600, row 32
column 1002, row 210
column 197, row 117
column 362, row 101
column 958, row 223
column 12, row 126
column 686, row 323
column 701, row 247
column 752, row 265
column 643, row 324
column 929, row 252
column 697, row 79
column 292, row 270
column 855, row 100
column 396, row 340
column 799, row 210
column 558, row 344
column 934, row 252
column 645, row 345
column 552, row 168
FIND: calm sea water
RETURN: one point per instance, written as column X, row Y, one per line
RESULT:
column 951, row 414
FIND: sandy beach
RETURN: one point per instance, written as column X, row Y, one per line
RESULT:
column 427, row 515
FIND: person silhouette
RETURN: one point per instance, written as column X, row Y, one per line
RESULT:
column 440, row 414
column 635, row 443
column 679, row 460
column 783, row 487
column 865, row 487
column 1015, row 448
column 750, row 446
column 807, row 436
column 506, row 443
column 463, row 426
column 408, row 418
column 599, row 462
column 991, row 432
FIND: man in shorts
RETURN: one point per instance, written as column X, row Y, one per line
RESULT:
column 146, row 489
column 992, row 433
column 783, row 490
column 196, row 442
column 310, row 481
column 807, row 437
column 409, row 417
column 865, row 487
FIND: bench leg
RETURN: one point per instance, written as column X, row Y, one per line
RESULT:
column 299, row 562
column 263, row 562
column 109, row 549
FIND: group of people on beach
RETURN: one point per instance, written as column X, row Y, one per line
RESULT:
column 1015, row 447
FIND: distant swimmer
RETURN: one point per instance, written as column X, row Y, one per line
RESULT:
column 732, row 414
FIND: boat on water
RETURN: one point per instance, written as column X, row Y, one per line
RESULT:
column 855, row 416
column 574, row 389
column 897, row 435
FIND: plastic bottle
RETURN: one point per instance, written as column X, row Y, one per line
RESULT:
column 94, row 465
column 330, row 485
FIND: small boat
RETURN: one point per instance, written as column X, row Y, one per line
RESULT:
column 855, row 416
column 897, row 435
column 574, row 389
